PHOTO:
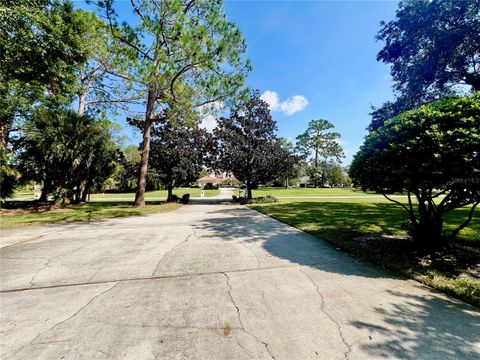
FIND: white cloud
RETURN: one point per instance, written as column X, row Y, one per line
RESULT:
column 208, row 116
column 209, row 123
column 289, row 107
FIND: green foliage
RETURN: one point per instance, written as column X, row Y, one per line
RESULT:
column 319, row 144
column 184, row 55
column 8, row 176
column 70, row 154
column 269, row 199
column 435, row 147
column 432, row 47
column 125, row 176
column 210, row 186
column 42, row 42
column 247, row 145
column 41, row 47
column 178, row 153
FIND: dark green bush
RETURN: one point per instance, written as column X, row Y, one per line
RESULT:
column 259, row 200
column 210, row 186
column 185, row 199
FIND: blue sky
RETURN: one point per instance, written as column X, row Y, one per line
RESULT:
column 324, row 51
column 318, row 57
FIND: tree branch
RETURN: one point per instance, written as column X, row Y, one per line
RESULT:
column 396, row 202
column 466, row 222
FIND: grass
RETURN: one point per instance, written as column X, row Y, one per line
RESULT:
column 279, row 192
column 375, row 229
column 194, row 192
column 82, row 212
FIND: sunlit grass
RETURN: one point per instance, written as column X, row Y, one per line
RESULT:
column 194, row 192
column 278, row 191
column 82, row 212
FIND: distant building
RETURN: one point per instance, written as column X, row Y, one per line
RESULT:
column 217, row 178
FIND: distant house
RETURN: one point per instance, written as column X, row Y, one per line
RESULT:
column 304, row 181
column 217, row 178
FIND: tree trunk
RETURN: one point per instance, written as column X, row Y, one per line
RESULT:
column 427, row 232
column 169, row 192
column 142, row 174
column 316, row 167
column 45, row 190
column 85, row 192
column 249, row 190
column 82, row 101
column 286, row 183
column 78, row 195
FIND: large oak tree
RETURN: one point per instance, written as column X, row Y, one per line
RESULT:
column 247, row 144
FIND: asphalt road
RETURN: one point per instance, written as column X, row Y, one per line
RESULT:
column 213, row 281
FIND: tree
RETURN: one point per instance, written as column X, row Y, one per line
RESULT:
column 125, row 177
column 432, row 47
column 68, row 153
column 287, row 161
column 41, row 46
column 178, row 152
column 190, row 56
column 428, row 152
column 100, row 86
column 246, row 143
column 317, row 139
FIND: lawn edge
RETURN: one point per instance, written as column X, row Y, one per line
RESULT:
column 392, row 270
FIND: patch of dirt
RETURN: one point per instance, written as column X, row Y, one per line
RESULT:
column 26, row 207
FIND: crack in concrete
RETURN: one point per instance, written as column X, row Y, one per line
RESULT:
column 49, row 260
column 265, row 344
column 169, row 251
column 322, row 309
column 31, row 342
column 175, row 276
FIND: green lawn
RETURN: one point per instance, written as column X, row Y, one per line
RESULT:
column 82, row 212
column 194, row 192
column 357, row 225
column 279, row 192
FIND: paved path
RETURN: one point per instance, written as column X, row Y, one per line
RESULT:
column 213, row 281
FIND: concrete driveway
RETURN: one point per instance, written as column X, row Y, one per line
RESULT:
column 213, row 281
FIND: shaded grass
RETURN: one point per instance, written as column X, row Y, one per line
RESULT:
column 375, row 229
column 83, row 212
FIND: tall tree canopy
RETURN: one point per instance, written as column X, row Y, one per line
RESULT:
column 429, row 152
column 178, row 152
column 247, row 144
column 320, row 142
column 185, row 54
column 432, row 47
column 41, row 47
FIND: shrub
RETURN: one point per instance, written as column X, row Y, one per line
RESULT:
column 185, row 199
column 210, row 186
column 259, row 200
